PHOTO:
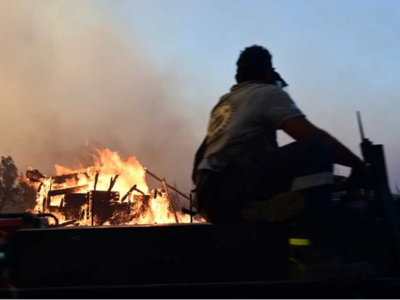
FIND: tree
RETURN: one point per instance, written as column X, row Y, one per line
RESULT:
column 16, row 195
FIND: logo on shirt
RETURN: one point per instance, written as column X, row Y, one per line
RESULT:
column 219, row 119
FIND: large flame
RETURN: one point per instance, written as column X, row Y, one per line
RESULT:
column 108, row 164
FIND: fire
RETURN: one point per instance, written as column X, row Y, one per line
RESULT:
column 109, row 164
column 114, row 190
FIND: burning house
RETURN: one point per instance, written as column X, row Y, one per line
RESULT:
column 111, row 192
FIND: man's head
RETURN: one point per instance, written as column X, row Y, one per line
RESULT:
column 255, row 64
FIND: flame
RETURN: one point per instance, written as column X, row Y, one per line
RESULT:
column 107, row 165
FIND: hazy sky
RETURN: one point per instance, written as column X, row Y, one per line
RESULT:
column 140, row 77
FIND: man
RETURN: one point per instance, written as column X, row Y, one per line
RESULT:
column 241, row 174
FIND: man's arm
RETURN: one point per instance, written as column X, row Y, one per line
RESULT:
column 281, row 112
column 299, row 128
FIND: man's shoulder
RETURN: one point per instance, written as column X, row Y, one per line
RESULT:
column 253, row 92
column 270, row 89
column 253, row 87
column 267, row 93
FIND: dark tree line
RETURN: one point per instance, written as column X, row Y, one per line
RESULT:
column 16, row 195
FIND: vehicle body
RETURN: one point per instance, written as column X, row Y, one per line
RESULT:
column 204, row 260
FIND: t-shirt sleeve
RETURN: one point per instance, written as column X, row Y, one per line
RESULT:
column 278, row 107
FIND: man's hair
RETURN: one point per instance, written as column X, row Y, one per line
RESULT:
column 252, row 63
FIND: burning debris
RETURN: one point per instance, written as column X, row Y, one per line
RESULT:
column 92, row 196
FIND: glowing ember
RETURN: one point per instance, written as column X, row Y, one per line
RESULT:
column 139, row 206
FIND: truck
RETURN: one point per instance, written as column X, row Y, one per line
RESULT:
column 201, row 260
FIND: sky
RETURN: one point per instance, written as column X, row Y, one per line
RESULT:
column 140, row 77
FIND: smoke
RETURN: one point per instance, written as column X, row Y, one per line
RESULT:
column 68, row 75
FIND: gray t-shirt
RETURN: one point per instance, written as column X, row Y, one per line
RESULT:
column 248, row 116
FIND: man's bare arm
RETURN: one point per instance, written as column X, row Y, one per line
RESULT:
column 299, row 128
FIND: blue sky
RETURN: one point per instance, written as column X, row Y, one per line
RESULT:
column 141, row 76
column 338, row 56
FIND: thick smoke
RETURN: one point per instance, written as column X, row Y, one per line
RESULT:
column 68, row 76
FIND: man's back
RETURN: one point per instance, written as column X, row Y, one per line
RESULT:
column 245, row 119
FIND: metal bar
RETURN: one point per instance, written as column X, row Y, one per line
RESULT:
column 170, row 187
column 170, row 201
column 360, row 126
